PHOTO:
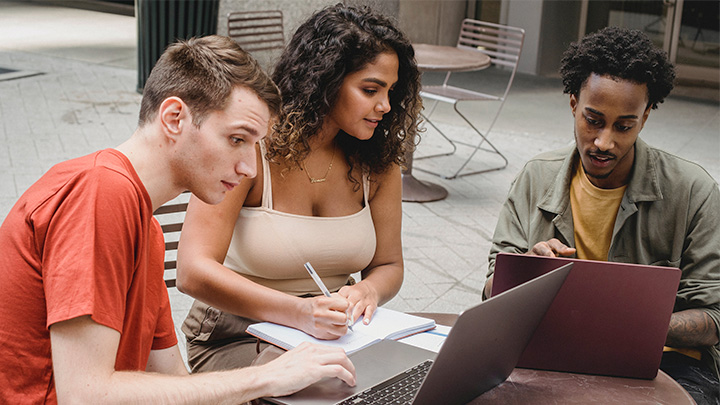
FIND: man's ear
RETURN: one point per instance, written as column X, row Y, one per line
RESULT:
column 645, row 116
column 173, row 116
column 573, row 103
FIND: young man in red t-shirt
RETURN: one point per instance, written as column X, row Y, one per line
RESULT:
column 84, row 310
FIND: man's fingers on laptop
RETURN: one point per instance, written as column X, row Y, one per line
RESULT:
column 305, row 365
column 332, row 361
column 341, row 366
column 329, row 362
column 551, row 248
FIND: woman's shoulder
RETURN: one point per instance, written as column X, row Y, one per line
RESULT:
column 389, row 180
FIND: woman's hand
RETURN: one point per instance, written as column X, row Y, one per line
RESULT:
column 363, row 301
column 325, row 317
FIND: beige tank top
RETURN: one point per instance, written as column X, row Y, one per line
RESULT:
column 270, row 247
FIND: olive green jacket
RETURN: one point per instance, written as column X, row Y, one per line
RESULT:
column 669, row 216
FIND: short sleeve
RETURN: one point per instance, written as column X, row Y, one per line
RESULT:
column 89, row 247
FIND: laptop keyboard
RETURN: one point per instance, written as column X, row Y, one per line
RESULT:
column 400, row 389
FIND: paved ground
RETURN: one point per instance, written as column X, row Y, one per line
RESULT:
column 78, row 96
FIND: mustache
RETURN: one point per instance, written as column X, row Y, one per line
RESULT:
column 601, row 153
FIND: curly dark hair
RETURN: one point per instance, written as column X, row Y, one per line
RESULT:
column 334, row 42
column 622, row 53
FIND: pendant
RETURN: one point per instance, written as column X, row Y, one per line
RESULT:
column 313, row 181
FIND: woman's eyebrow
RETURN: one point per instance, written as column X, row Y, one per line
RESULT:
column 379, row 82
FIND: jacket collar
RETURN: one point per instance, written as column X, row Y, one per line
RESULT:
column 644, row 182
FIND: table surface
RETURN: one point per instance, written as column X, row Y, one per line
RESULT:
column 525, row 386
column 440, row 58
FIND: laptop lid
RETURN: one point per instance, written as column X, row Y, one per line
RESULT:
column 485, row 343
column 479, row 353
column 608, row 318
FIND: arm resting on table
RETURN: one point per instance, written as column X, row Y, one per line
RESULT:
column 692, row 328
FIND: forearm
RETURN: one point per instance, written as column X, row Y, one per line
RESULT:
column 231, row 387
column 692, row 328
column 385, row 280
column 84, row 355
column 487, row 290
column 222, row 288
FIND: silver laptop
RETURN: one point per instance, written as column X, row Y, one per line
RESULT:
column 479, row 353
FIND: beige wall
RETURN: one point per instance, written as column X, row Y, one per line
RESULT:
column 428, row 21
column 294, row 13
column 432, row 21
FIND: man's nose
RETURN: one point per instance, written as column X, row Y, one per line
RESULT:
column 605, row 139
column 247, row 165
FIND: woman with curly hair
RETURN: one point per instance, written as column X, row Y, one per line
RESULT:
column 327, row 191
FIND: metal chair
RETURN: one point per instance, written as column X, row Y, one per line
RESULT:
column 257, row 30
column 171, row 216
column 503, row 45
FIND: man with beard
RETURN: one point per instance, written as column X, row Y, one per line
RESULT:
column 612, row 197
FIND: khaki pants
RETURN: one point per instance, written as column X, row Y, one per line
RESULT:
column 217, row 340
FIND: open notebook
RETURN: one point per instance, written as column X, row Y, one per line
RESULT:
column 385, row 324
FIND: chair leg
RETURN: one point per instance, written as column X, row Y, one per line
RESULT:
column 450, row 141
column 476, row 148
column 432, row 109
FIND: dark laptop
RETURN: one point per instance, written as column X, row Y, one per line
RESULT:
column 608, row 318
column 479, row 353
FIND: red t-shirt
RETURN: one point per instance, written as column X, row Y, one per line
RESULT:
column 80, row 241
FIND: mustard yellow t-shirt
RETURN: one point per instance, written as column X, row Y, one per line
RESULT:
column 593, row 210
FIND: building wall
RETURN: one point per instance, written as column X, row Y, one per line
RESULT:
column 556, row 37
column 526, row 14
column 432, row 21
column 294, row 13
column 428, row 21
column 550, row 26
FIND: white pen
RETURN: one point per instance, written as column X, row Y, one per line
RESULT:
column 322, row 287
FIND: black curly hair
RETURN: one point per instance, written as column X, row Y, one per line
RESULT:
column 622, row 53
column 334, row 42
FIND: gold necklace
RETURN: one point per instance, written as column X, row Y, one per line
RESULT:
column 314, row 180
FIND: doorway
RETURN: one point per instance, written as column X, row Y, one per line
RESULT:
column 686, row 29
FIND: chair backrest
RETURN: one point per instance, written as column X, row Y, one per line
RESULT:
column 171, row 216
column 502, row 43
column 257, row 30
